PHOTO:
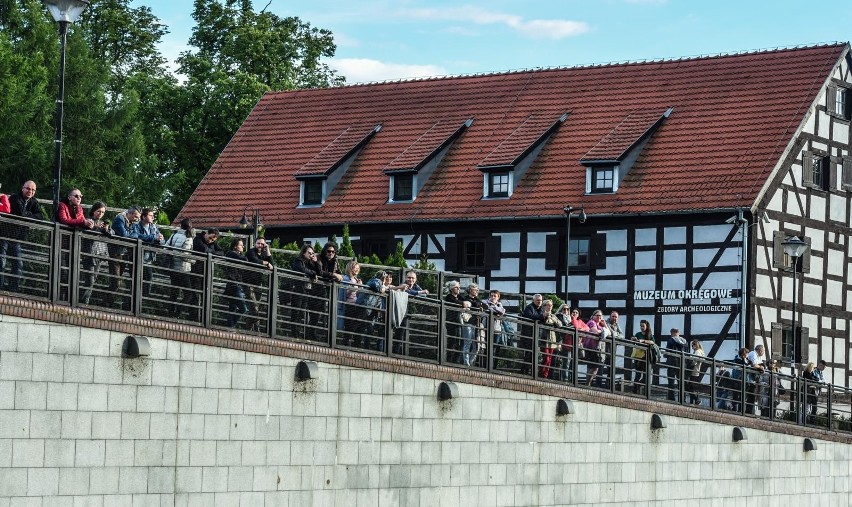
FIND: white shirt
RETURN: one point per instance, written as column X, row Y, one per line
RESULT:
column 755, row 359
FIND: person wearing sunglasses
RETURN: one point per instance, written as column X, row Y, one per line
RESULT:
column 328, row 261
column 71, row 211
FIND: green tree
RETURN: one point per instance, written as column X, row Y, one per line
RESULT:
column 239, row 55
column 346, row 249
column 105, row 152
column 397, row 258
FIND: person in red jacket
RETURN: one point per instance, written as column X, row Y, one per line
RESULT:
column 71, row 211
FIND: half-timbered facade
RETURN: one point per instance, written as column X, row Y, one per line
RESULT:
column 690, row 173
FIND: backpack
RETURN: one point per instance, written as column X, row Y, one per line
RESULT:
column 5, row 206
column 654, row 353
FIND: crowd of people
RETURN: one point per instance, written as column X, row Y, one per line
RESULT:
column 362, row 306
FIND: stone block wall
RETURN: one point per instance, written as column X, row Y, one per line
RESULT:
column 200, row 425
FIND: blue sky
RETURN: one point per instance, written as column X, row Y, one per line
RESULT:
column 393, row 39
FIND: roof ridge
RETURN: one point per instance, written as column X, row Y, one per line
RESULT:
column 613, row 63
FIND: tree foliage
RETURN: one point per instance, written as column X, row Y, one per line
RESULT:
column 133, row 132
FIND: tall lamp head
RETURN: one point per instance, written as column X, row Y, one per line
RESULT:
column 66, row 11
column 795, row 247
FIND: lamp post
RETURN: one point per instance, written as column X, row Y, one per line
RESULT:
column 64, row 12
column 255, row 222
column 581, row 216
column 795, row 248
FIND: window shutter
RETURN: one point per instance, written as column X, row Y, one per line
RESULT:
column 847, row 103
column 778, row 249
column 777, row 345
column 807, row 169
column 597, row 251
column 803, row 345
column 356, row 247
column 451, row 254
column 552, row 253
column 806, row 259
column 847, row 173
column 833, row 177
column 492, row 252
column 830, row 99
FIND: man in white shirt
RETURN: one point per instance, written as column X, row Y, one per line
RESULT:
column 756, row 359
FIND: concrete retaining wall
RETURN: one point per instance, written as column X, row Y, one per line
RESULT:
column 200, row 425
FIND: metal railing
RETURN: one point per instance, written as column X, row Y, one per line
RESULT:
column 50, row 262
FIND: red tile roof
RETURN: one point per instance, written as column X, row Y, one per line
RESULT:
column 519, row 142
column 619, row 140
column 733, row 117
column 337, row 150
column 421, row 150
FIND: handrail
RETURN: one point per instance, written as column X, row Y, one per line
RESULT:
column 65, row 266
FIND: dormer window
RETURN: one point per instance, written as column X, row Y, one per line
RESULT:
column 402, row 187
column 499, row 184
column 612, row 157
column 410, row 171
column 322, row 173
column 504, row 167
column 313, row 193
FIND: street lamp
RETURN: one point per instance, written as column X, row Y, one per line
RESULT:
column 255, row 222
column 581, row 216
column 64, row 12
column 795, row 248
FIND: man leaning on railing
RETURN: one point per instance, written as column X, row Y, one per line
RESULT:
column 22, row 204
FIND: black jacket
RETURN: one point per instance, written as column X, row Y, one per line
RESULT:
column 203, row 247
column 21, row 207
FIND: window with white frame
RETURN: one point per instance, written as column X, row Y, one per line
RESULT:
column 840, row 99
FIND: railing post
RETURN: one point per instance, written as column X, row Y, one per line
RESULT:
column 272, row 310
column 773, row 381
column 331, row 325
column 207, row 295
column 575, row 359
column 74, row 268
column 535, row 351
column 613, row 350
column 713, row 381
column 388, row 325
column 137, row 278
column 649, row 371
column 442, row 327
column 489, row 341
column 55, row 269
column 830, row 395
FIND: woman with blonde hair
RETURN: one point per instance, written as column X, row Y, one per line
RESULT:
column 348, row 299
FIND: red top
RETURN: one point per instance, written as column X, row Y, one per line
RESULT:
column 74, row 219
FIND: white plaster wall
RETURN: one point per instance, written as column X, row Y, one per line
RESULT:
column 837, row 209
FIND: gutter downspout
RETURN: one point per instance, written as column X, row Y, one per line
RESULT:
column 744, row 226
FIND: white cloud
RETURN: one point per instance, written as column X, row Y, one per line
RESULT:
column 361, row 70
column 536, row 28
